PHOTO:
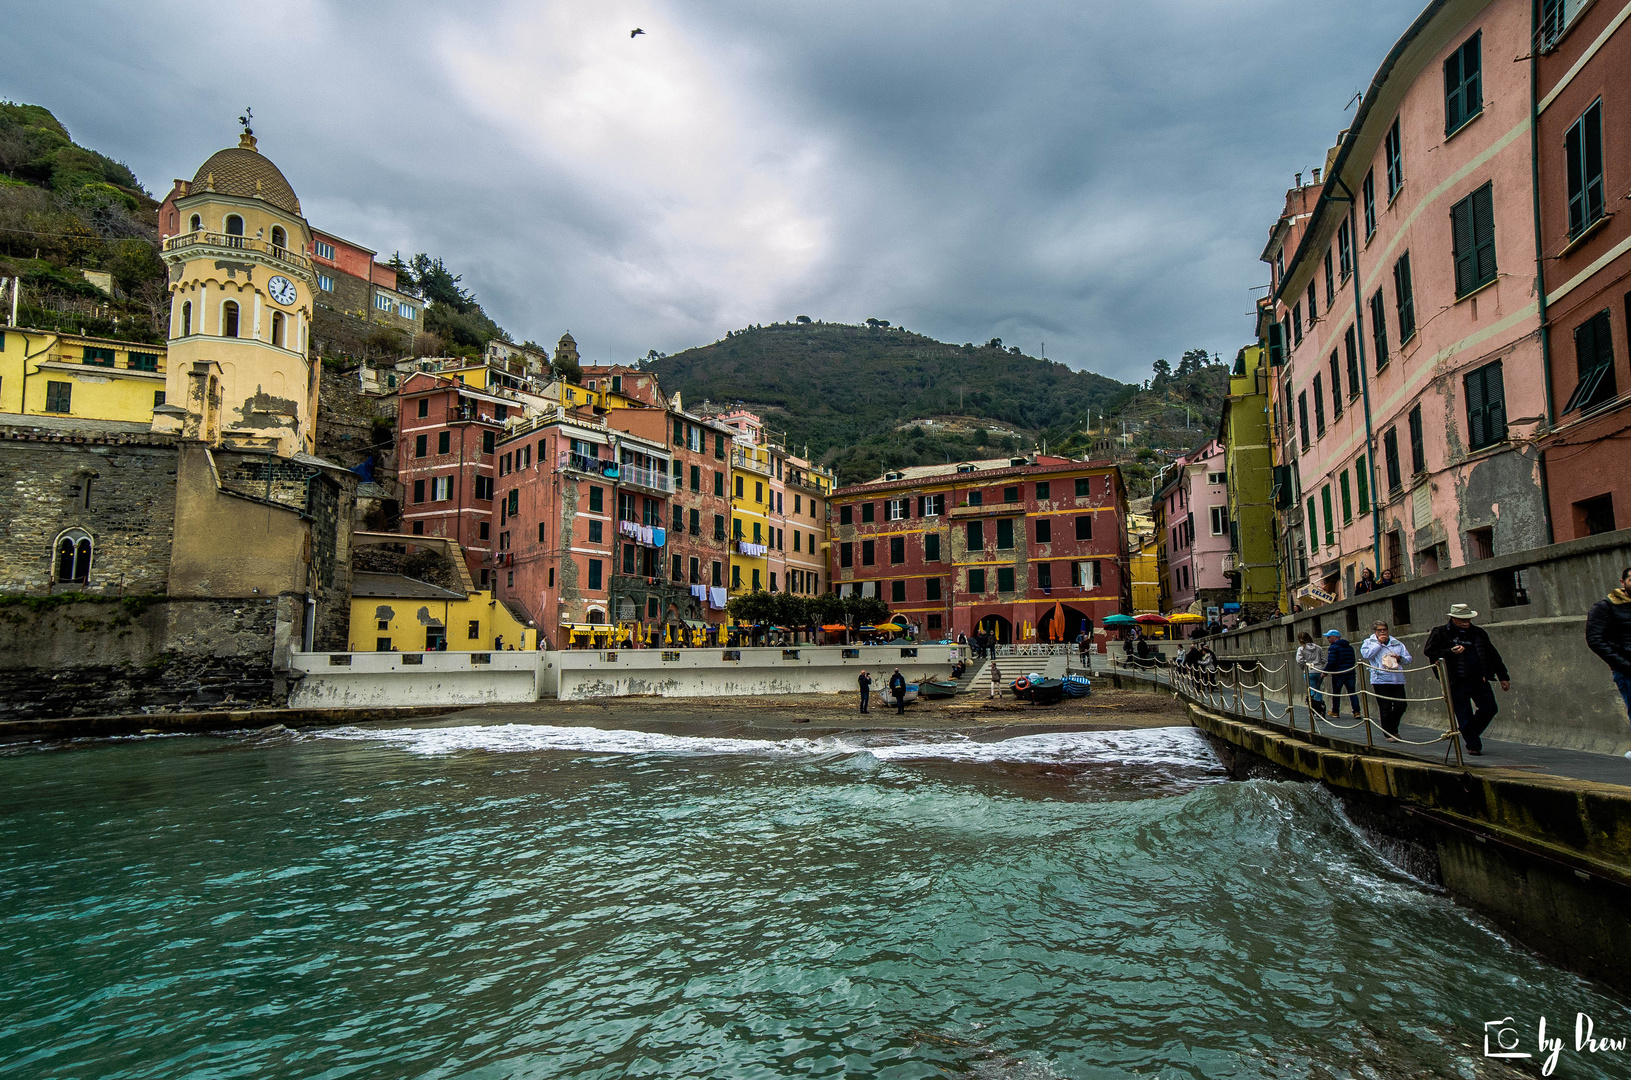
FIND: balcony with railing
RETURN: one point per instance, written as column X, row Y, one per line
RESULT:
column 584, row 464
column 651, row 479
column 742, row 459
column 237, row 243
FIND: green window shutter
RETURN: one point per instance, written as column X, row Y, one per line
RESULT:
column 1330, row 522
column 1461, row 237
column 1005, row 579
column 1313, row 527
column 1347, row 505
column 1483, row 227
column 1362, row 480
column 976, row 536
column 1378, row 325
column 1277, row 348
column 1474, row 384
column 1390, row 452
column 1405, row 293
column 1418, row 445
column 1336, row 387
column 1005, row 533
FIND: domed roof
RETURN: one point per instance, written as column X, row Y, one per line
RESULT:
column 242, row 170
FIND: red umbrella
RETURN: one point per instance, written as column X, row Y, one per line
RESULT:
column 1152, row 619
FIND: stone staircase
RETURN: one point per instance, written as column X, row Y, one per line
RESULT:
column 978, row 676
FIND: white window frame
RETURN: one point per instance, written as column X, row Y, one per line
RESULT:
column 324, row 249
column 383, row 302
column 325, row 283
column 405, row 311
column 896, row 510
column 1220, row 520
column 1086, row 575
column 441, row 488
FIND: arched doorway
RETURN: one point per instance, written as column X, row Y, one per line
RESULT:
column 998, row 627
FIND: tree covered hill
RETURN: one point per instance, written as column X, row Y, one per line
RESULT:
column 832, row 386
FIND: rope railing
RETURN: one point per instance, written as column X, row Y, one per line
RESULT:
column 1226, row 685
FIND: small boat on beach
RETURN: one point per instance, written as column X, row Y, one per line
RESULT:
column 1047, row 691
column 936, row 689
column 1077, row 685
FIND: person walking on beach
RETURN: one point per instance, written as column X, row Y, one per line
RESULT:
column 996, row 680
column 1311, row 659
column 1472, row 661
column 897, row 690
column 1387, row 658
column 1608, row 634
column 865, row 682
column 1341, row 665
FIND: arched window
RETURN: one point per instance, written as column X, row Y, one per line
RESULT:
column 235, row 225
column 229, row 319
column 277, row 328
column 186, row 318
column 74, row 556
column 279, row 237
column 196, row 224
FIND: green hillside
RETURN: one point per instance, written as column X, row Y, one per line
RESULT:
column 66, row 208
column 844, row 390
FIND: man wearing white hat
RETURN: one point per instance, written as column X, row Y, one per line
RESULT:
column 1472, row 660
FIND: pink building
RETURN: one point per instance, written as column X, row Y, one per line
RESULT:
column 1405, row 335
column 1192, row 510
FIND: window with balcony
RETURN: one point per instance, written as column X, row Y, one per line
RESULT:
column 234, row 225
column 97, row 357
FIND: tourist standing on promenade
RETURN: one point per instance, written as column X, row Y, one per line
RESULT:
column 865, row 682
column 1387, row 658
column 1608, row 634
column 1472, row 660
column 1342, row 666
column 1310, row 658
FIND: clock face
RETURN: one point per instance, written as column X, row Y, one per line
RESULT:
column 282, row 290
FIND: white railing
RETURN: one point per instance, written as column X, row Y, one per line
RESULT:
column 655, row 479
column 743, row 460
column 1035, row 650
column 237, row 243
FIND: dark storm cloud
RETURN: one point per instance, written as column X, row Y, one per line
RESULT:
column 1096, row 176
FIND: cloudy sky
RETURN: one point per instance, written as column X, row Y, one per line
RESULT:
column 1096, row 176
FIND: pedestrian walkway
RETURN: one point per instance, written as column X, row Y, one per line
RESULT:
column 1349, row 732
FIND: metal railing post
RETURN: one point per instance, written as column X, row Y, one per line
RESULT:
column 1454, row 729
column 1292, row 670
column 1262, row 693
column 1234, row 669
column 1364, row 704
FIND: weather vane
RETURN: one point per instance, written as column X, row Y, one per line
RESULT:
column 249, row 114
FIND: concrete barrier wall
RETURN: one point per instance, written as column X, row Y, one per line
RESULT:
column 803, row 669
column 1532, row 603
column 386, row 680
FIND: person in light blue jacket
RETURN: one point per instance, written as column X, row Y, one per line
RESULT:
column 1387, row 657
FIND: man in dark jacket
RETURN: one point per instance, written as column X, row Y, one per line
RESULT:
column 1608, row 634
column 1472, row 660
column 865, row 682
column 897, row 690
column 1340, row 666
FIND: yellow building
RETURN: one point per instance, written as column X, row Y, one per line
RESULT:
column 1253, row 559
column 751, row 475
column 45, row 373
column 1144, row 562
column 240, row 314
column 394, row 613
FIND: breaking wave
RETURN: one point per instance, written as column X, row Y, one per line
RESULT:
column 1171, row 746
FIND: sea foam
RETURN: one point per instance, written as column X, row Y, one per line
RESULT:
column 1179, row 746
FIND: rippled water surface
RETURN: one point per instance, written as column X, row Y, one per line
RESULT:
column 520, row 901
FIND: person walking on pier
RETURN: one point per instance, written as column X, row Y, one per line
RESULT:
column 865, row 682
column 1472, row 661
column 1311, row 658
column 1387, row 658
column 1342, row 666
column 1608, row 634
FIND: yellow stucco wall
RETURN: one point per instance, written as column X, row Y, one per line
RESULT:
column 473, row 624
column 96, row 391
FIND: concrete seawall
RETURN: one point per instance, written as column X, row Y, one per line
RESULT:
column 1547, row 858
column 1532, row 603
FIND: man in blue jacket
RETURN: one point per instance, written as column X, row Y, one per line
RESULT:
column 1340, row 666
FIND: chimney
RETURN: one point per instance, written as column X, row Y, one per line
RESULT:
column 1299, row 179
column 1316, row 176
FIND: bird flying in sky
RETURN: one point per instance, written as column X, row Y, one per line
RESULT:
column 636, row 32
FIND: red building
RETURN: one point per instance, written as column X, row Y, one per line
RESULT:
column 1583, row 81
column 987, row 545
column 446, row 437
column 697, row 559
column 581, row 527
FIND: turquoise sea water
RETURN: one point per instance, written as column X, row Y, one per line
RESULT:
column 545, row 902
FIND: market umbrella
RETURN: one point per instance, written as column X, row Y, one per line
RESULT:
column 1152, row 619
column 1056, row 623
column 1120, row 620
column 1185, row 618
